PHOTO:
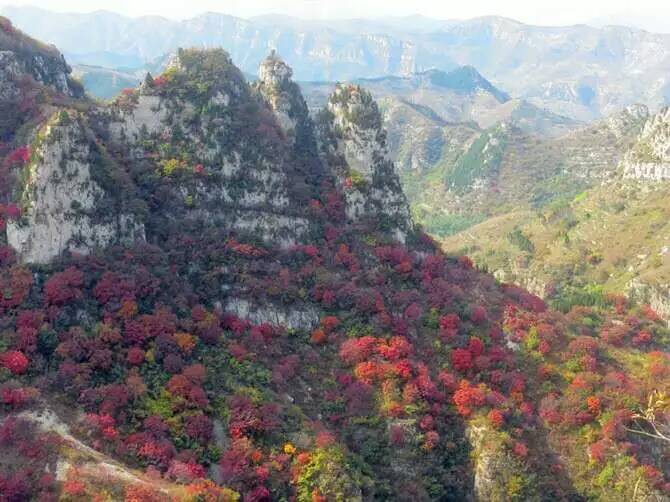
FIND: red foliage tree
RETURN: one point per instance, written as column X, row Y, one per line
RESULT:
column 15, row 286
column 496, row 418
column 18, row 157
column 478, row 314
column 356, row 350
column 199, row 428
column 247, row 419
column 64, row 287
column 461, row 360
column 15, row 361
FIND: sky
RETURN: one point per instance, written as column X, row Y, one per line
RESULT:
column 653, row 15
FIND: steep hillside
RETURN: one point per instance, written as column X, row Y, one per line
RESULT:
column 25, row 64
column 579, row 71
column 505, row 170
column 649, row 159
column 207, row 295
column 612, row 235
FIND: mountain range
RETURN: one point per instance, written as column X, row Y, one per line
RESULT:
column 576, row 71
column 211, row 291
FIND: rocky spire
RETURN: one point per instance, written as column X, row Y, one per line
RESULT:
column 368, row 176
column 650, row 156
column 274, row 72
column 284, row 98
column 281, row 93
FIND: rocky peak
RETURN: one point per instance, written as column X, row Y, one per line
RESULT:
column 27, row 67
column 649, row 159
column 371, row 184
column 21, row 55
column 284, row 97
column 273, row 71
column 631, row 119
column 358, row 120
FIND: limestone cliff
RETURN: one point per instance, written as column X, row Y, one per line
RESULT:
column 362, row 162
column 205, row 138
column 284, row 98
column 649, row 159
column 282, row 94
column 64, row 208
column 199, row 148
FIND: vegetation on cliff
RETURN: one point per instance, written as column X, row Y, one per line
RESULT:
column 352, row 360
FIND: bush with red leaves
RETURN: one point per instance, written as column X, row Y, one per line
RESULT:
column 199, row 428
column 478, row 314
column 15, row 284
column 246, row 418
column 461, row 360
column 19, row 157
column 356, row 350
column 15, row 361
column 520, row 449
column 496, row 418
column 63, row 287
column 468, row 397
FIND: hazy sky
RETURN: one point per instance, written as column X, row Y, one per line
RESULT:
column 650, row 14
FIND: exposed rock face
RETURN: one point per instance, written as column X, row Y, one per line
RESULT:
column 243, row 186
column 297, row 317
column 20, row 56
column 9, row 71
column 274, row 72
column 631, row 117
column 200, row 147
column 492, row 467
column 146, row 116
column 372, row 187
column 649, row 159
column 63, row 202
column 285, row 100
column 280, row 92
column 657, row 296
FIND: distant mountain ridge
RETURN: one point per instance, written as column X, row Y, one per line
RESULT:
column 459, row 95
column 579, row 71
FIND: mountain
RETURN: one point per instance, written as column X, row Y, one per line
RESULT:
column 503, row 169
column 42, row 63
column 460, row 95
column 578, row 71
column 208, row 294
column 608, row 239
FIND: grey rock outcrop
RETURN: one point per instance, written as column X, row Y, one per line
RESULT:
column 649, row 159
column 63, row 204
column 274, row 83
column 223, row 155
column 371, row 185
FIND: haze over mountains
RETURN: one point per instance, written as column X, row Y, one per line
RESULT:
column 579, row 71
